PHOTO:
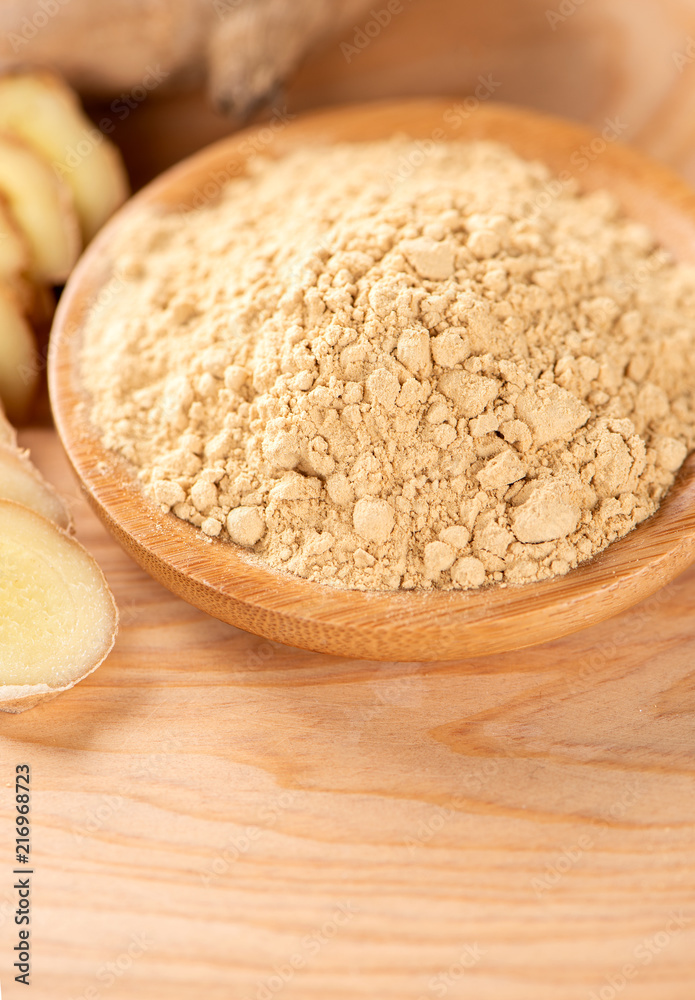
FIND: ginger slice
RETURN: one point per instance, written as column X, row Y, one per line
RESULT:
column 14, row 252
column 19, row 370
column 37, row 301
column 42, row 206
column 58, row 618
column 45, row 114
column 22, row 482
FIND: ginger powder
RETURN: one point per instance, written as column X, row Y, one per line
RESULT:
column 381, row 383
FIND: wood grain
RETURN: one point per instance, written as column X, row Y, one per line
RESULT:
column 217, row 798
column 219, row 578
column 539, row 804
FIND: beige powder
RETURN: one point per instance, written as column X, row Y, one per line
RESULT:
column 378, row 384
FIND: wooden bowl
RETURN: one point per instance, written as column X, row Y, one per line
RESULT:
column 223, row 581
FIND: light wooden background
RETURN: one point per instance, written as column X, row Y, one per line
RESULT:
column 220, row 798
column 210, row 801
column 630, row 59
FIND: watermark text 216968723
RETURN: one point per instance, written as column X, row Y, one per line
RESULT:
column 22, row 799
column 22, row 883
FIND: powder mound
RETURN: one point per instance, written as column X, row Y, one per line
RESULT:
column 381, row 378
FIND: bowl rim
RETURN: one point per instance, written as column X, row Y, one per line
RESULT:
column 391, row 625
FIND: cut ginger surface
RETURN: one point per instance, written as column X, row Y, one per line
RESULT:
column 58, row 618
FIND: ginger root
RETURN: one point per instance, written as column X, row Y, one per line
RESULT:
column 60, row 179
column 247, row 47
column 42, row 111
column 22, row 482
column 102, row 49
column 58, row 619
column 256, row 45
column 14, row 251
column 19, row 370
column 42, row 206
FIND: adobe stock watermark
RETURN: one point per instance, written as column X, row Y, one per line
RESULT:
column 364, row 35
column 454, row 117
column 109, row 805
column 241, row 843
column 30, row 25
column 129, row 611
column 564, row 10
column 301, row 273
column 628, row 286
column 579, row 161
column 428, row 829
column 113, row 287
column 388, row 691
column 121, row 108
column 108, row 974
column 104, row 297
column 593, row 663
column 473, row 782
column 97, row 817
column 457, row 114
column 643, row 955
column 440, row 984
column 250, row 147
column 685, row 57
column 310, row 946
column 570, row 857
column 224, row 7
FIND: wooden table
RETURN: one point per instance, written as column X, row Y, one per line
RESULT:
column 217, row 816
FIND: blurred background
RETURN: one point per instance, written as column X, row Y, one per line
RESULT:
column 173, row 76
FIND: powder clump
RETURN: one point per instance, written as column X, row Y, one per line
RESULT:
column 376, row 382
